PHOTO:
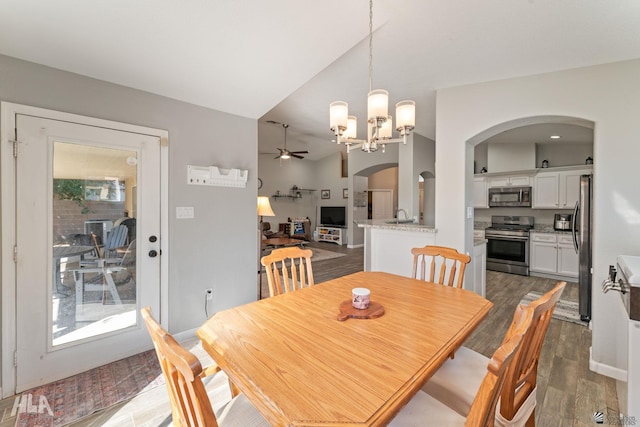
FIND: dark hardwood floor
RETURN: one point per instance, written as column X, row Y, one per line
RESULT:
column 568, row 392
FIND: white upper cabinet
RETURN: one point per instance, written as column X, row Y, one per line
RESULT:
column 510, row 180
column 557, row 190
column 545, row 190
column 480, row 193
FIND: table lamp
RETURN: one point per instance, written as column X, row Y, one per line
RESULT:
column 264, row 207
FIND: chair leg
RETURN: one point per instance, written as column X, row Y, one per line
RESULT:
column 111, row 287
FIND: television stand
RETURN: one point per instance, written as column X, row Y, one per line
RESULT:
column 329, row 234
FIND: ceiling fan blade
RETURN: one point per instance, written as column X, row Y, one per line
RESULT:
column 296, row 156
column 299, row 152
column 278, row 156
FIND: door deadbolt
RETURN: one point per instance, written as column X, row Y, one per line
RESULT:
column 153, row 239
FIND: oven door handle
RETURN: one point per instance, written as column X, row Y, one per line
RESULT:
column 519, row 239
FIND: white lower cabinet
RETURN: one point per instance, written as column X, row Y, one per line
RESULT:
column 568, row 261
column 479, row 265
column 553, row 254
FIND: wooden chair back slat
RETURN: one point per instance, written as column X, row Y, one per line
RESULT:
column 522, row 380
column 483, row 408
column 288, row 269
column 449, row 259
column 190, row 405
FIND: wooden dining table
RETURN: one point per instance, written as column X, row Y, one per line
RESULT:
column 300, row 366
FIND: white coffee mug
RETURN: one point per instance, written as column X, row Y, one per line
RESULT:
column 360, row 298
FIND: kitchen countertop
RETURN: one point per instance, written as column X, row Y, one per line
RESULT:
column 383, row 224
column 538, row 228
column 543, row 228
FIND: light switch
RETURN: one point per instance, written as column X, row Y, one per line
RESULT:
column 469, row 212
column 184, row 212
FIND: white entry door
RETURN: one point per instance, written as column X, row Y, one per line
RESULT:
column 79, row 284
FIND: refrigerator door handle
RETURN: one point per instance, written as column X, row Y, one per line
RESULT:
column 573, row 227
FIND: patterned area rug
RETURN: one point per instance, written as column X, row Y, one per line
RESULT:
column 565, row 310
column 76, row 397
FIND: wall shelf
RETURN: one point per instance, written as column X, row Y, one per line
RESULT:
column 294, row 193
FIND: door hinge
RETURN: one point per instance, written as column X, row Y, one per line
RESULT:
column 15, row 148
column 15, row 253
column 15, row 359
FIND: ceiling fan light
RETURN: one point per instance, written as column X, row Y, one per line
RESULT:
column 378, row 104
column 285, row 156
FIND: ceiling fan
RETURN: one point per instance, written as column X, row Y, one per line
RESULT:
column 286, row 154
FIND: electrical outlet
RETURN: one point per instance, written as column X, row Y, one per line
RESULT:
column 209, row 293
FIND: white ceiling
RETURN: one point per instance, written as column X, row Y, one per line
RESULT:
column 286, row 60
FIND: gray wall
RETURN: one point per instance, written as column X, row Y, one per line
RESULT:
column 219, row 247
column 281, row 175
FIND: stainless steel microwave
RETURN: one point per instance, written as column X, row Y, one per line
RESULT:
column 510, row 197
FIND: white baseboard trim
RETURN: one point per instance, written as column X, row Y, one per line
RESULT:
column 356, row 246
column 607, row 370
column 552, row 276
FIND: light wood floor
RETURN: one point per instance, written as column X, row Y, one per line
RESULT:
column 568, row 392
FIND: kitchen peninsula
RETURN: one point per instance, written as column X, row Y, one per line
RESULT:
column 387, row 247
column 387, row 244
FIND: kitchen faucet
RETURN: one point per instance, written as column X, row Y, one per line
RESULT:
column 406, row 215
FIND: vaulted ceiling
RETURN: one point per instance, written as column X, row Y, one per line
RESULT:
column 286, row 60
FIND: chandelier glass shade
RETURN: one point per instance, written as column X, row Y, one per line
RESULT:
column 380, row 123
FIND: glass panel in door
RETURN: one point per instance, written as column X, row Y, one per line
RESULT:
column 94, row 241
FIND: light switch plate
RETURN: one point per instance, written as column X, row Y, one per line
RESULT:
column 469, row 212
column 184, row 212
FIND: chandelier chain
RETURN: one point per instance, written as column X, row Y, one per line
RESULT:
column 370, row 43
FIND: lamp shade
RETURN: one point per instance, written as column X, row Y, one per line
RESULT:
column 405, row 114
column 338, row 114
column 378, row 104
column 352, row 128
column 264, row 207
column 386, row 129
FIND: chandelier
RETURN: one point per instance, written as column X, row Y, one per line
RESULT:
column 380, row 123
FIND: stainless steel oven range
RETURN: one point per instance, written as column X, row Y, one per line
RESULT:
column 508, row 244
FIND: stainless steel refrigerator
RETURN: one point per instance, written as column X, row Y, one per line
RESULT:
column 582, row 238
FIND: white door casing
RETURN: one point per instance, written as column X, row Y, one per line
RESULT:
column 26, row 220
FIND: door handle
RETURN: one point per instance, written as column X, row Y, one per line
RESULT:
column 153, row 253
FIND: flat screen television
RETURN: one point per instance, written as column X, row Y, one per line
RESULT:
column 333, row 216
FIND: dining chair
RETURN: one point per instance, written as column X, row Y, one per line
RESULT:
column 449, row 259
column 423, row 409
column 183, row 373
column 288, row 269
column 453, row 383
